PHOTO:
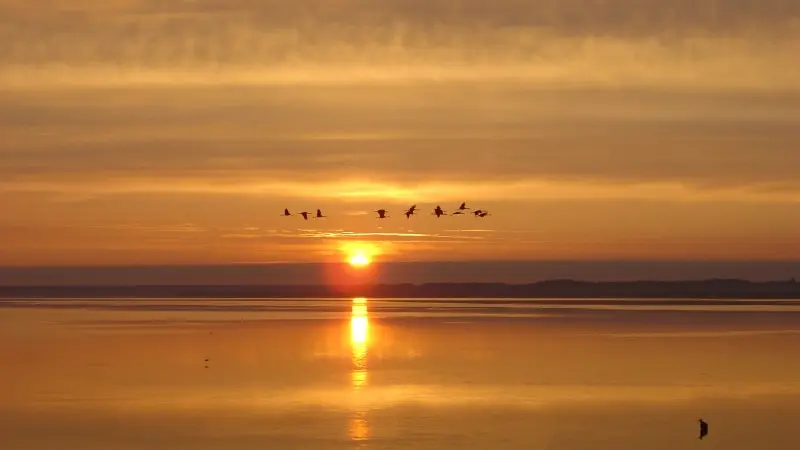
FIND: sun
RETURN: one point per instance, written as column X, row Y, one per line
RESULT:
column 359, row 255
column 359, row 260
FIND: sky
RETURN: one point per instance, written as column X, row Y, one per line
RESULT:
column 143, row 132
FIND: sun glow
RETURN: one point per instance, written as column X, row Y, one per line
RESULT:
column 359, row 260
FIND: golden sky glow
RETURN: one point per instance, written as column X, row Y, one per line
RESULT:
column 590, row 130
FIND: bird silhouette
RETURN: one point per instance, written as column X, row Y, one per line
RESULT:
column 319, row 215
column 463, row 206
column 484, row 214
column 286, row 212
column 382, row 214
column 438, row 211
column 477, row 212
column 304, row 214
column 411, row 211
column 703, row 428
column 413, row 208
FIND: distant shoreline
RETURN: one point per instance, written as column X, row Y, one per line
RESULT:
column 708, row 289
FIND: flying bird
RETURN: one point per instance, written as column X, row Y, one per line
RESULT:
column 304, row 214
column 703, row 429
column 484, row 214
column 382, row 214
column 463, row 206
column 438, row 211
column 477, row 212
column 319, row 215
column 411, row 211
column 286, row 212
column 408, row 214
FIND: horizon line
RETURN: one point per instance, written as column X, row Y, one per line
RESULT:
column 379, row 263
column 432, row 283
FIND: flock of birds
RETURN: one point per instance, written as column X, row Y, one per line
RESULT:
column 382, row 213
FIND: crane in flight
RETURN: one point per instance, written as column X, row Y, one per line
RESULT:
column 383, row 214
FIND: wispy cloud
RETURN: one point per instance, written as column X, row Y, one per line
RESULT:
column 470, row 231
column 381, row 235
column 441, row 192
column 342, row 234
column 622, row 42
column 242, row 236
column 505, row 142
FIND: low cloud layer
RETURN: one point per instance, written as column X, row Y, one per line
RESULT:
column 490, row 142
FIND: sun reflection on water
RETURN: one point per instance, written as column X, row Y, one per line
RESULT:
column 359, row 330
column 358, row 427
column 359, row 338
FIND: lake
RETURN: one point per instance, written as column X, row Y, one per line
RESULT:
column 495, row 374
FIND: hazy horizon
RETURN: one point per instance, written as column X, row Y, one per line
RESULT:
column 401, row 272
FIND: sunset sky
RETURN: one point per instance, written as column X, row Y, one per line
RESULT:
column 175, row 132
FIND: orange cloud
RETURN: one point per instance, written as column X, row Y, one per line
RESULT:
column 429, row 192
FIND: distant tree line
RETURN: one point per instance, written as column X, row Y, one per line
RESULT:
column 711, row 289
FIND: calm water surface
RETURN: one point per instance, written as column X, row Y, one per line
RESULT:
column 398, row 374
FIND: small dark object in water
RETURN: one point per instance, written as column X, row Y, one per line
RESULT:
column 703, row 429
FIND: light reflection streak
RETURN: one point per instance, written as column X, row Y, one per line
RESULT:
column 359, row 339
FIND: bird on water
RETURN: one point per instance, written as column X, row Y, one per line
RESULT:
column 703, row 429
